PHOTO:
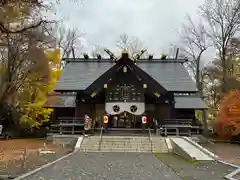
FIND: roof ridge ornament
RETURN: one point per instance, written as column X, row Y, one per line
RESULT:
column 139, row 54
column 85, row 55
column 164, row 56
column 112, row 56
column 150, row 56
column 124, row 51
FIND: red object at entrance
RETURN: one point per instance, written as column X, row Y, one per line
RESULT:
column 144, row 120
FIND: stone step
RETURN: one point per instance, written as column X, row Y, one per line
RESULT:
column 149, row 148
column 117, row 144
column 120, row 140
column 113, row 149
column 143, row 151
column 133, row 147
column 107, row 144
column 116, row 141
column 120, row 145
column 123, row 144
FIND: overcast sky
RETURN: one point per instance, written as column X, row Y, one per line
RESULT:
column 155, row 22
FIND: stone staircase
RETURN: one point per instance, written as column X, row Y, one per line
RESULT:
column 159, row 145
column 90, row 144
column 123, row 144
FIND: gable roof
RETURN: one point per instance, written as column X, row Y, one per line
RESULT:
column 134, row 70
column 80, row 74
column 172, row 76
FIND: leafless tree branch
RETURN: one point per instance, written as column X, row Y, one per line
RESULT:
column 223, row 20
column 194, row 44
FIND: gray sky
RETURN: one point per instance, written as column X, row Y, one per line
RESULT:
column 155, row 22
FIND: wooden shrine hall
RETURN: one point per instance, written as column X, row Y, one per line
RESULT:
column 125, row 89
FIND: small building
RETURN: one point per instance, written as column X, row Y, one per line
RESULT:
column 125, row 90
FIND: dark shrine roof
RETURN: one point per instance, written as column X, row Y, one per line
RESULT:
column 80, row 74
column 189, row 102
column 172, row 76
column 60, row 101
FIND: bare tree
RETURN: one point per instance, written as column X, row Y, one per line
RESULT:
column 223, row 20
column 68, row 42
column 132, row 44
column 98, row 50
column 194, row 44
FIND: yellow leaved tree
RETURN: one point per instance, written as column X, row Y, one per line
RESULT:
column 33, row 113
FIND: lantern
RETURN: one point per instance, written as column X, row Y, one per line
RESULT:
column 105, row 119
column 144, row 120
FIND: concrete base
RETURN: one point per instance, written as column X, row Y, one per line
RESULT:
column 189, row 150
column 64, row 140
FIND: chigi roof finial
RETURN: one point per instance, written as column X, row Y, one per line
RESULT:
column 124, row 51
column 112, row 56
column 138, row 55
column 163, row 56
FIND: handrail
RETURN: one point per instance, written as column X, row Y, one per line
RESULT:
column 156, row 124
column 100, row 142
column 150, row 137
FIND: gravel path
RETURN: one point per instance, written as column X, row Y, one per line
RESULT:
column 107, row 166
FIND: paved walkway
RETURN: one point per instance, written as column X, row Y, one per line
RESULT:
column 107, row 166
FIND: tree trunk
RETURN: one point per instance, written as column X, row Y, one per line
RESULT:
column 204, row 113
column 224, row 78
column 198, row 84
column 204, row 119
column 198, row 78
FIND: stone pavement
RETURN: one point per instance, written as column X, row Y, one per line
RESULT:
column 107, row 166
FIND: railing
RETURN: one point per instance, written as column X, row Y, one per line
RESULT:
column 68, row 120
column 177, row 121
column 100, row 142
column 67, row 125
column 150, row 138
column 179, row 126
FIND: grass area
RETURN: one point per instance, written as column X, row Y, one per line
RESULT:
column 228, row 152
column 174, row 161
column 194, row 170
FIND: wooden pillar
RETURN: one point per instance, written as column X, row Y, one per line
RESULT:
column 60, row 127
column 76, row 110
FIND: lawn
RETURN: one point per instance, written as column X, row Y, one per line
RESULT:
column 195, row 170
column 22, row 155
column 228, row 152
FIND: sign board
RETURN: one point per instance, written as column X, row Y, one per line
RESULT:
column 105, row 119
